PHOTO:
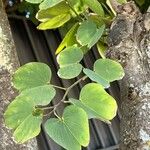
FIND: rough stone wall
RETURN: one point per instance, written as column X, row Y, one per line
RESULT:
column 129, row 43
column 8, row 64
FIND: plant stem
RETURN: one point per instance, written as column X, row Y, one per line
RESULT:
column 59, row 87
column 47, row 108
column 56, row 115
column 65, row 95
column 66, row 102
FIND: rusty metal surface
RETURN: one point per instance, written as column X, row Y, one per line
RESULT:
column 34, row 45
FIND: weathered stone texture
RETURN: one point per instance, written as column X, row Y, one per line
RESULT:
column 8, row 64
column 129, row 43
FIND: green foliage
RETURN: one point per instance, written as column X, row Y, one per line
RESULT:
column 96, row 102
column 70, row 71
column 55, row 22
column 69, row 60
column 88, row 34
column 105, row 71
column 95, row 6
column 31, row 75
column 69, row 39
column 96, row 77
column 101, row 47
column 46, row 14
column 49, row 3
column 22, row 114
column 88, row 26
column 77, row 5
column 95, row 97
column 72, row 130
column 108, row 69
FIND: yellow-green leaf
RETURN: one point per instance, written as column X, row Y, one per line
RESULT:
column 46, row 14
column 98, row 100
column 108, row 69
column 95, row 6
column 72, row 130
column 55, row 22
column 69, row 39
column 49, row 3
column 68, row 60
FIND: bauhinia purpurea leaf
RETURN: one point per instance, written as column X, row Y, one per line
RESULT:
column 68, row 60
column 72, row 130
column 97, row 102
column 105, row 71
column 88, row 33
column 23, row 115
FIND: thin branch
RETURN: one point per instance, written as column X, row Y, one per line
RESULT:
column 47, row 108
column 59, row 87
column 56, row 114
column 65, row 95
column 66, row 102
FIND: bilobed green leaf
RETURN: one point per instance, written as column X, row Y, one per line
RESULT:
column 70, row 55
column 69, row 59
column 19, row 116
column 22, row 116
column 95, row 77
column 69, row 39
column 88, row 33
column 72, row 131
column 60, row 8
column 31, row 75
column 95, row 6
column 54, row 22
column 70, row 71
column 49, row 3
column 98, row 100
column 34, row 1
column 58, row 131
column 108, row 69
